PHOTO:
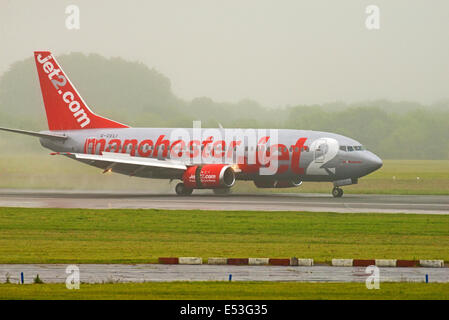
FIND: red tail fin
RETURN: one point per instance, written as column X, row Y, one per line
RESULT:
column 65, row 108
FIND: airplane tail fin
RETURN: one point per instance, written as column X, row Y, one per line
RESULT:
column 65, row 108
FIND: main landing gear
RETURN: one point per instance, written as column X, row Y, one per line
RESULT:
column 182, row 190
column 337, row 192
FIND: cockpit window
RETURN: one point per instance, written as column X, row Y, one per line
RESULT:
column 352, row 148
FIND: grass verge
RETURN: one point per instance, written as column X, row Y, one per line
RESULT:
column 227, row 291
column 141, row 236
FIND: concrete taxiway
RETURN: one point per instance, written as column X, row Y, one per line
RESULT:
column 423, row 204
column 100, row 273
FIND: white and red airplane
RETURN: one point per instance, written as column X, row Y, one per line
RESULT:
column 211, row 158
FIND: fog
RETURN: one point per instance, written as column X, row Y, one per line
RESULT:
column 277, row 53
column 255, row 63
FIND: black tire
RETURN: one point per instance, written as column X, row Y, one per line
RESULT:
column 222, row 191
column 182, row 190
column 337, row 192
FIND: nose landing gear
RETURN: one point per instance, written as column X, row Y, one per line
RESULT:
column 337, row 192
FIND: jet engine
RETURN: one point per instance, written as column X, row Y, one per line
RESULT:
column 209, row 176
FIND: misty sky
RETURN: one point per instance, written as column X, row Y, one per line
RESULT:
column 276, row 52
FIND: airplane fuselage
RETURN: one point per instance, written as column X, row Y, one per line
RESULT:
column 301, row 154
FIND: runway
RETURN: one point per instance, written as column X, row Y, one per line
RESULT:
column 99, row 273
column 419, row 204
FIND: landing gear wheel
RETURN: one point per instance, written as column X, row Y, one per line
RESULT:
column 182, row 190
column 222, row 191
column 337, row 192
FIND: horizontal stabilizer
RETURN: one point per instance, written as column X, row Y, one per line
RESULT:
column 52, row 136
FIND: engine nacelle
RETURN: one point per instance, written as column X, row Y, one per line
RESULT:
column 209, row 176
column 294, row 182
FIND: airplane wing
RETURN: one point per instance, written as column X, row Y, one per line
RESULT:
column 132, row 166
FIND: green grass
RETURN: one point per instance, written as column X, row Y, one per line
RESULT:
column 228, row 291
column 42, row 171
column 141, row 236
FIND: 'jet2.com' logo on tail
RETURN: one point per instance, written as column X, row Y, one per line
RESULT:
column 59, row 81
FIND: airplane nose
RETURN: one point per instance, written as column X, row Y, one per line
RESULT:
column 373, row 162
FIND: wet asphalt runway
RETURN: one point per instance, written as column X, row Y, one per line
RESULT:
column 422, row 204
column 98, row 273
